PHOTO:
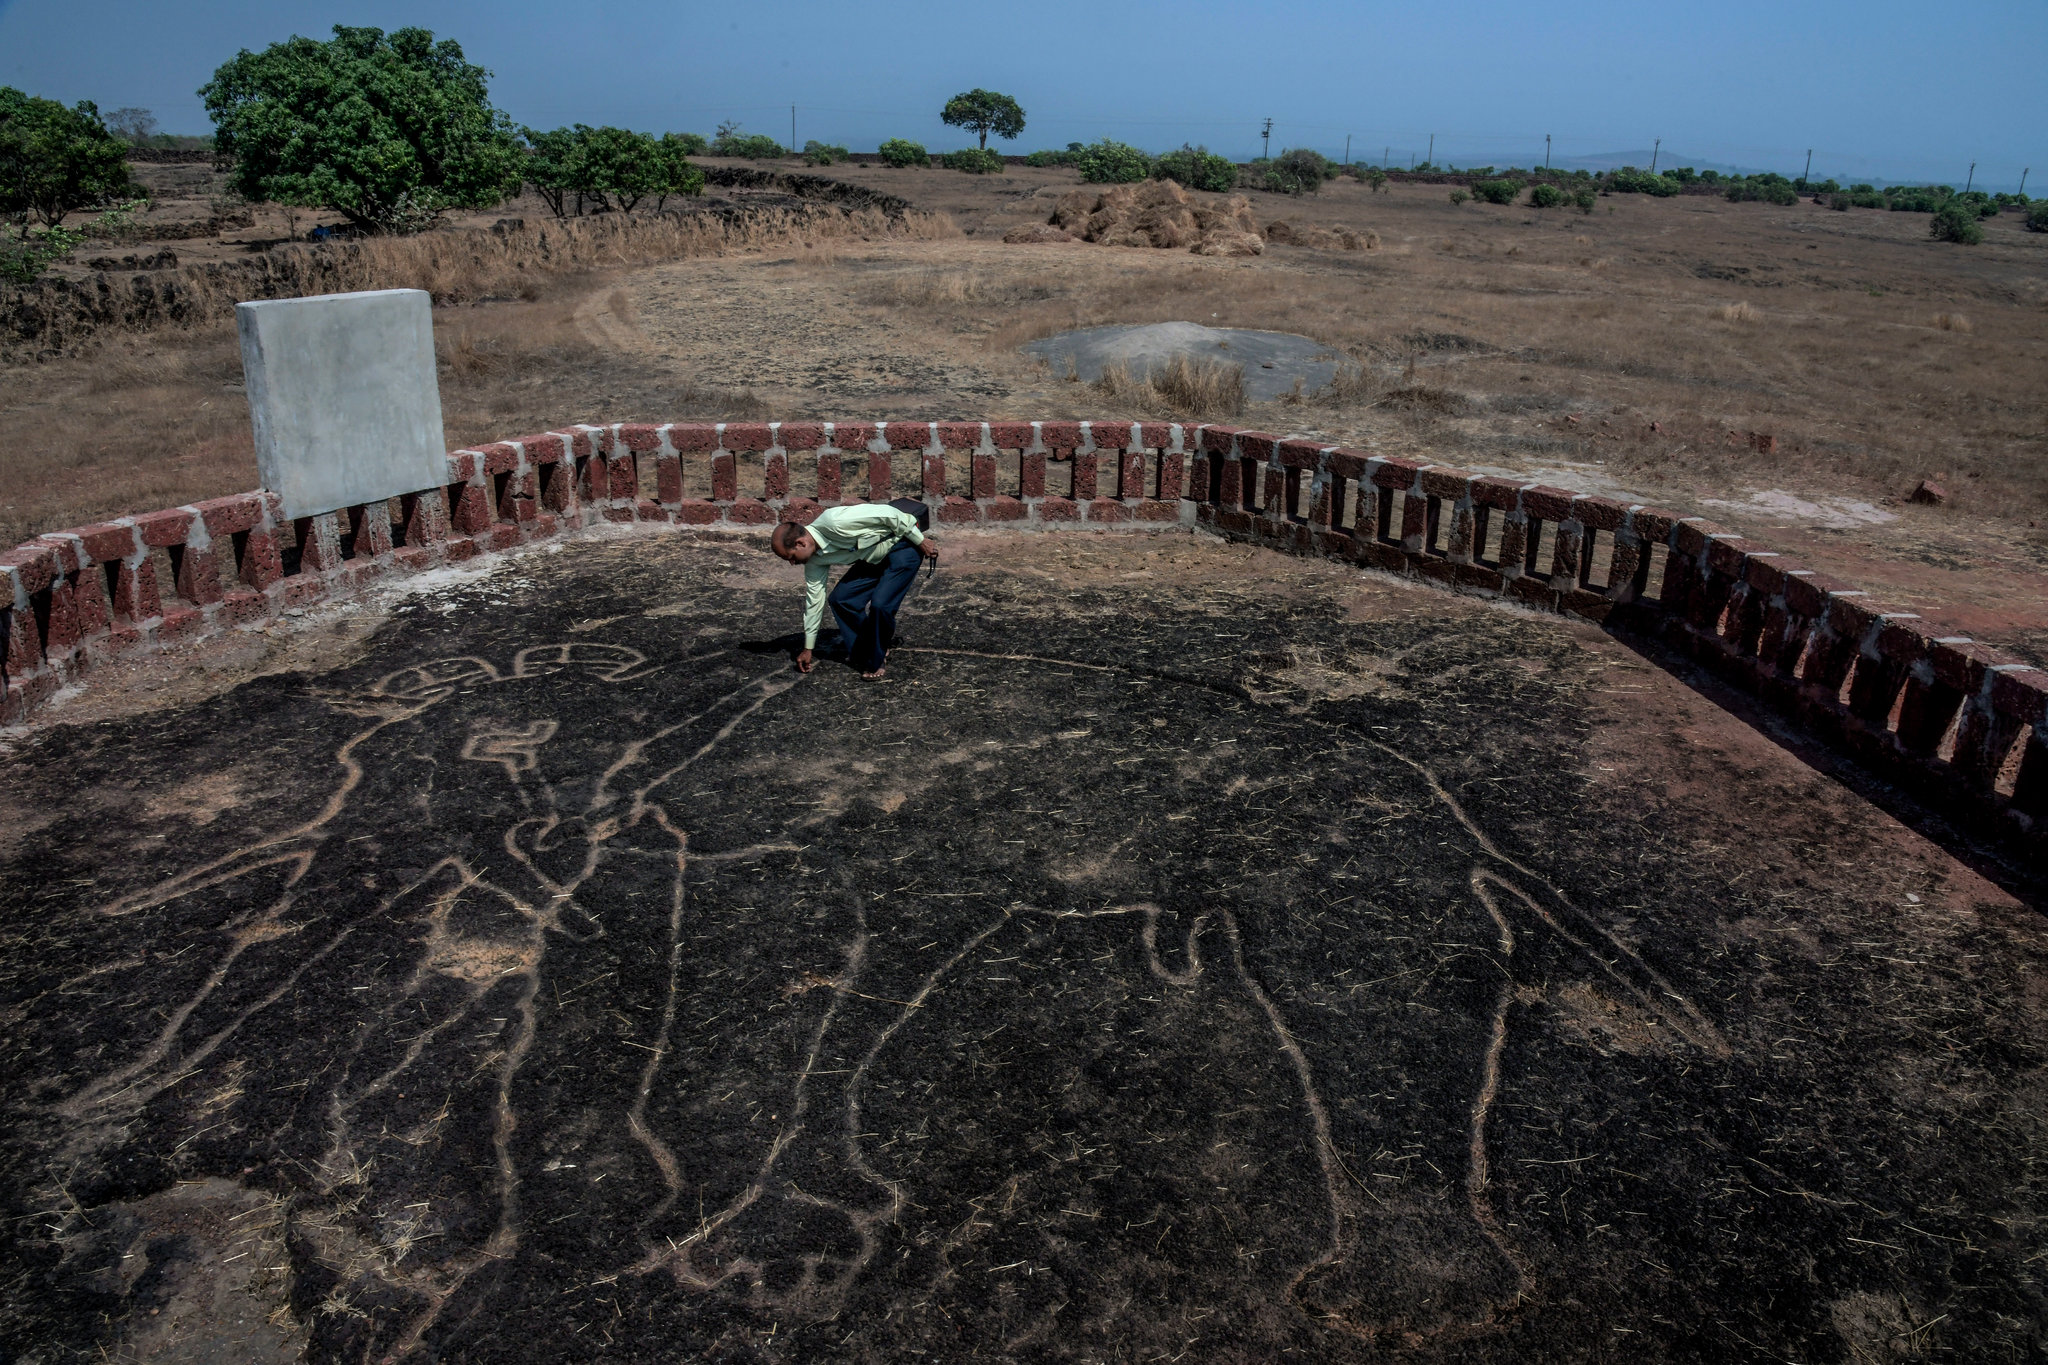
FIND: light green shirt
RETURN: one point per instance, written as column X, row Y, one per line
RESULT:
column 861, row 534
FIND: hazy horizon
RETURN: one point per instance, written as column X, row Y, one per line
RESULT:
column 1871, row 88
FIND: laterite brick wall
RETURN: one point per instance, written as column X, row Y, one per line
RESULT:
column 1959, row 721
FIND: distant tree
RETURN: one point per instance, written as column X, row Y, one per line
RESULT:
column 608, row 169
column 1376, row 178
column 1198, row 168
column 1495, row 191
column 1112, row 163
column 688, row 144
column 1956, row 223
column 1298, row 170
column 903, row 152
column 133, row 126
column 984, row 112
column 1545, row 197
column 389, row 131
column 56, row 160
column 754, row 146
column 823, row 153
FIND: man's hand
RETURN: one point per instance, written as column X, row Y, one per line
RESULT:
column 929, row 548
column 803, row 661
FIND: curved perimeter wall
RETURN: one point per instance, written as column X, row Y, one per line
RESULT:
column 1947, row 716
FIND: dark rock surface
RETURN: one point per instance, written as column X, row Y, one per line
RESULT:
column 1181, row 955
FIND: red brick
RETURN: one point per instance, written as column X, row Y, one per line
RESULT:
column 725, row 477
column 1393, row 471
column 749, row 512
column 1767, row 573
column 179, row 622
column 1962, row 665
column 416, row 556
column 1157, row 509
column 1110, row 435
column 1548, row 503
column 544, row 449
column 802, row 511
column 960, row 435
column 500, row 457
column 462, row 465
column 303, row 589
column 1057, row 509
column 696, row 512
column 1348, row 464
column 1108, row 509
column 1010, row 435
column 1086, row 469
column 160, row 529
column 1155, row 435
column 1501, row 494
column 955, row 511
column 1654, row 524
column 1601, row 514
column 582, row 444
column 1904, row 642
column 1808, row 593
column 69, row 559
column 749, row 436
column 641, row 438
column 1060, row 435
column 1257, row 445
column 1216, row 440
column 1691, row 536
column 1533, row 590
column 225, row 516
column 668, row 480
column 504, row 535
column 2022, row 695
column 1232, row 519
column 908, row 435
column 243, row 607
column 104, row 542
column 1443, row 481
column 1004, row 508
column 1298, row 454
column 852, row 435
column 1730, row 554
column 801, row 435
column 1851, row 616
column 692, row 437
column 774, row 476
column 880, row 477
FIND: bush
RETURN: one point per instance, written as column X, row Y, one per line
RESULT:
column 688, row 144
column 1546, row 197
column 1112, row 163
column 1629, row 180
column 1295, row 171
column 1956, row 223
column 611, row 168
column 1768, row 188
column 1583, row 200
column 1197, row 168
column 26, row 254
column 1460, row 197
column 2037, row 216
column 755, row 146
column 1495, row 191
column 1376, row 178
column 903, row 152
column 386, row 130
column 1048, row 157
column 55, row 160
column 973, row 160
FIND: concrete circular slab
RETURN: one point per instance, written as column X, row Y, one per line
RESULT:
column 1272, row 360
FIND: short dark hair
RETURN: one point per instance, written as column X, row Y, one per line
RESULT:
column 787, row 533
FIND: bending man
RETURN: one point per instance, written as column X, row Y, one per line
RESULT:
column 883, row 546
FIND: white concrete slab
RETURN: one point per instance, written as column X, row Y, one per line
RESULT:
column 344, row 397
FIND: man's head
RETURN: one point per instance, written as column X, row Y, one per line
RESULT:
column 792, row 542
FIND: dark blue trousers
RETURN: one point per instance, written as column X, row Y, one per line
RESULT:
column 866, row 601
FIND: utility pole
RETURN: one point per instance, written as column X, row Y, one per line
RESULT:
column 1431, row 158
column 1973, row 178
column 792, row 127
column 1387, row 159
column 1654, row 151
column 1546, row 151
column 1266, row 141
column 1347, row 150
column 2023, row 180
column 1807, row 174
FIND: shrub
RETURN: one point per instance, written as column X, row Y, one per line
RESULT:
column 1583, row 200
column 688, row 144
column 1629, row 180
column 984, row 112
column 26, row 254
column 1956, row 223
column 55, row 160
column 1112, row 163
column 899, row 151
column 1198, row 168
column 386, row 130
column 1495, row 191
column 755, row 146
column 1296, row 170
column 2037, row 216
column 611, row 168
column 1048, row 157
column 823, row 153
column 1546, row 197
column 1376, row 178
column 1460, row 197
column 973, row 160
column 1768, row 188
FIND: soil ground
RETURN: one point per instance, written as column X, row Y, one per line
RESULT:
column 1188, row 952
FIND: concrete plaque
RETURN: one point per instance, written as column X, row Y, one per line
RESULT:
column 344, row 397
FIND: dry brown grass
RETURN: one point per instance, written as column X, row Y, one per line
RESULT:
column 1738, row 312
column 1183, row 387
column 1953, row 322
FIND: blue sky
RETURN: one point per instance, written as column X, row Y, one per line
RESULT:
column 1898, row 89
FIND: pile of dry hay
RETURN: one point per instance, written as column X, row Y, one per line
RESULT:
column 1159, row 213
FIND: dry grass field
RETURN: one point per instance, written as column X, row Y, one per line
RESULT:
column 1648, row 348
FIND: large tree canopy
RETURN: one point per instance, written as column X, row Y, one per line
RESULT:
column 387, row 130
column 56, row 160
column 984, row 112
column 611, row 168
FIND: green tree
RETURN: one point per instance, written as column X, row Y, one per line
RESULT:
column 901, row 152
column 1298, row 170
column 1956, row 223
column 984, row 112
column 553, row 166
column 1545, row 197
column 389, row 131
column 1198, row 168
column 56, row 160
column 679, row 176
column 1495, row 191
column 754, row 146
column 619, row 168
column 133, row 126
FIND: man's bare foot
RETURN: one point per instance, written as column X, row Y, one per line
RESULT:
column 871, row 677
